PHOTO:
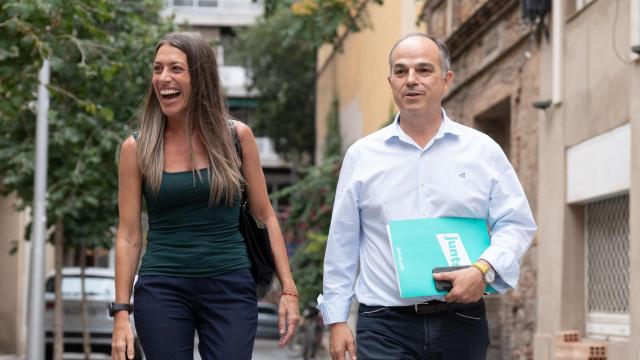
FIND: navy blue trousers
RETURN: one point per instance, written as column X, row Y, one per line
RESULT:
column 385, row 333
column 168, row 310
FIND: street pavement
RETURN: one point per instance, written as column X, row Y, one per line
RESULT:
column 264, row 349
column 267, row 349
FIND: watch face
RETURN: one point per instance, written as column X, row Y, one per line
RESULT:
column 490, row 276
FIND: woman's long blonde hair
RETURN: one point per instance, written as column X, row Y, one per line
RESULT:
column 205, row 115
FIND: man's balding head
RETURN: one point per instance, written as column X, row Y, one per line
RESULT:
column 445, row 60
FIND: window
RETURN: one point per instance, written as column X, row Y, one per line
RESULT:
column 208, row 3
column 607, row 267
column 496, row 122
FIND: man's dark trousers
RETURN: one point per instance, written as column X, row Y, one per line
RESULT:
column 396, row 334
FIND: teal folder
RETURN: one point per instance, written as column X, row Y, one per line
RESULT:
column 419, row 245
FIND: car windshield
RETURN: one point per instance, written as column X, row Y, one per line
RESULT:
column 93, row 285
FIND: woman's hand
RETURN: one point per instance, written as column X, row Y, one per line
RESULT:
column 288, row 317
column 122, row 338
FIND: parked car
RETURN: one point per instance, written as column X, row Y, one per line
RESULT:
column 100, row 291
column 267, row 321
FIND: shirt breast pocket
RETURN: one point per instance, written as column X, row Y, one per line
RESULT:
column 461, row 195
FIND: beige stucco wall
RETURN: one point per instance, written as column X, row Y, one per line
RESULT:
column 596, row 83
column 634, row 214
column 599, row 92
column 13, row 278
column 358, row 75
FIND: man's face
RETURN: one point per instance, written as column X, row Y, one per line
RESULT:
column 416, row 78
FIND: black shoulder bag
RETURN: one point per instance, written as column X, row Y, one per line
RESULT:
column 256, row 238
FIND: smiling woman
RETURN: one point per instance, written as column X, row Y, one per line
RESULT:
column 195, row 274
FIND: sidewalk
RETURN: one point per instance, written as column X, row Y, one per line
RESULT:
column 66, row 356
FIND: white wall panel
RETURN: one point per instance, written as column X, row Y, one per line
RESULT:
column 599, row 166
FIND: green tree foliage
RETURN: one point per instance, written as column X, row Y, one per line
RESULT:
column 312, row 197
column 281, row 52
column 329, row 21
column 307, row 264
column 100, row 53
column 282, row 72
column 311, row 204
column 333, row 140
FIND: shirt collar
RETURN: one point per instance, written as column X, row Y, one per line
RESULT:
column 447, row 126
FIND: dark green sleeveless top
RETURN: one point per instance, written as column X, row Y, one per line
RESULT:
column 187, row 237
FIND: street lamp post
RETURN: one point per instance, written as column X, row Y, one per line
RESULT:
column 35, row 340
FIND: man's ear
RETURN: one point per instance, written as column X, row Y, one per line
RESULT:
column 448, row 79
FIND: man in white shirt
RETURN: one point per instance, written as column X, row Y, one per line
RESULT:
column 423, row 165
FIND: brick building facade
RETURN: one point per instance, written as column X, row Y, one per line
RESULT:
column 495, row 59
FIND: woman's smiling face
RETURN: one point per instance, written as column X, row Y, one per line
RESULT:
column 171, row 81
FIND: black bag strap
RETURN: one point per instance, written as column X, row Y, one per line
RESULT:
column 236, row 140
column 238, row 146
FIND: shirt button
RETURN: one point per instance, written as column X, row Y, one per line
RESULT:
column 421, row 185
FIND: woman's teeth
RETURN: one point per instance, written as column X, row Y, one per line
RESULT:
column 169, row 93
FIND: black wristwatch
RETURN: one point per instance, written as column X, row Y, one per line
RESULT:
column 115, row 307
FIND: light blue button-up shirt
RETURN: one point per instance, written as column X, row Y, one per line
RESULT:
column 387, row 176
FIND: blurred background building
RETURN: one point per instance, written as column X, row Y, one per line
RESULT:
column 589, row 176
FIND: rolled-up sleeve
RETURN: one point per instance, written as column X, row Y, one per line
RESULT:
column 341, row 257
column 512, row 227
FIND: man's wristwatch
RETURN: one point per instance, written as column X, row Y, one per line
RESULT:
column 488, row 274
column 115, row 307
